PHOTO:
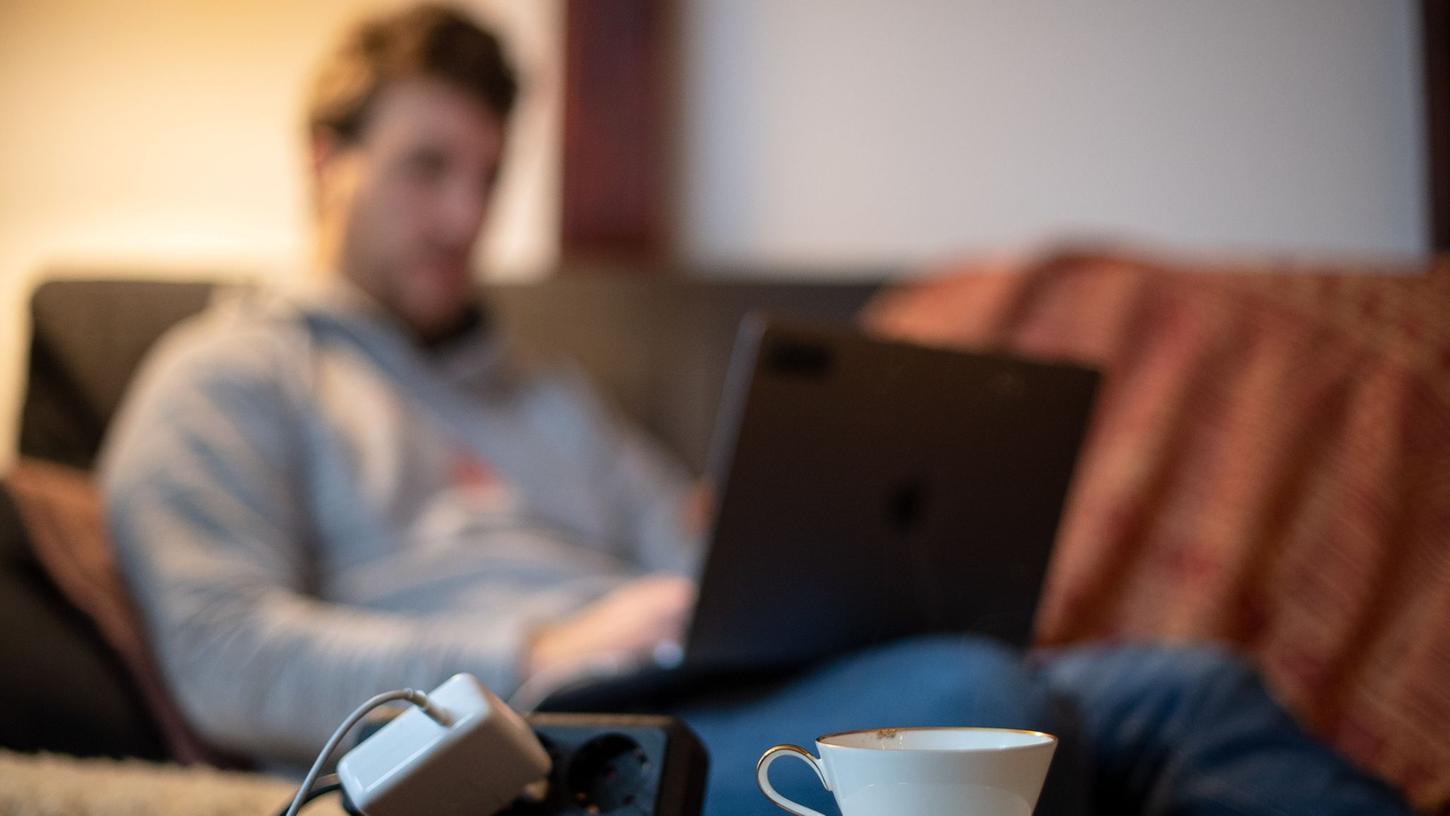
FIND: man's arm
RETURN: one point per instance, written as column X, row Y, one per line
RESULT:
column 203, row 481
column 658, row 526
column 658, row 510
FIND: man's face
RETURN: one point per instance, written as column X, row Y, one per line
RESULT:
column 400, row 210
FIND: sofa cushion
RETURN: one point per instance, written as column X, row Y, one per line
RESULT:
column 87, row 337
column 61, row 514
column 64, row 689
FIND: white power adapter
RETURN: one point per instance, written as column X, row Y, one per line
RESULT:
column 470, row 755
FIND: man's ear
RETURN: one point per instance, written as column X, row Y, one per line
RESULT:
column 323, row 146
column 325, row 150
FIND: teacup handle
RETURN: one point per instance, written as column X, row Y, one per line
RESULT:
column 762, row 777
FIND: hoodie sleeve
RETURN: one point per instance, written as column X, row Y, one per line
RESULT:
column 648, row 493
column 202, row 480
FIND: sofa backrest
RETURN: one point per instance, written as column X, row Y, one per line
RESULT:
column 656, row 347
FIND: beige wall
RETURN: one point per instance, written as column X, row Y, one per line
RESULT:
column 865, row 131
column 164, row 135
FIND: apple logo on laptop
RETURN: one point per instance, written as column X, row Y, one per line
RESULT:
column 905, row 505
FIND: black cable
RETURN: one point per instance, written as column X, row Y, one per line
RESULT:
column 323, row 786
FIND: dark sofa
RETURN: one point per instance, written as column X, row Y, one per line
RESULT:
column 1299, row 382
column 656, row 347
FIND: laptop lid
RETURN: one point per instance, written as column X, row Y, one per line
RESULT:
column 871, row 489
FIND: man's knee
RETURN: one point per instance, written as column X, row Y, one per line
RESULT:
column 1186, row 678
column 1210, row 666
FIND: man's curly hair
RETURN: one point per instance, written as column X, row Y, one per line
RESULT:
column 428, row 40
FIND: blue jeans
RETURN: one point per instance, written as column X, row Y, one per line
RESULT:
column 1193, row 731
column 1142, row 730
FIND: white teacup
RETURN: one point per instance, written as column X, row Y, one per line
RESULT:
column 907, row 771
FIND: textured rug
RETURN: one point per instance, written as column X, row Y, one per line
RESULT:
column 52, row 785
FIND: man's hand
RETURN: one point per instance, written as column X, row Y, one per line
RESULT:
column 632, row 621
column 700, row 508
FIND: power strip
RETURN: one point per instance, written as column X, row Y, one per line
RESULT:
column 469, row 753
column 618, row 764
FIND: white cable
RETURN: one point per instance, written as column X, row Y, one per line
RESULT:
column 413, row 696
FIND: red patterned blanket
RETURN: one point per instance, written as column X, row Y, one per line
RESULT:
column 1269, row 466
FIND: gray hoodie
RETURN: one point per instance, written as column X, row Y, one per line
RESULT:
column 310, row 509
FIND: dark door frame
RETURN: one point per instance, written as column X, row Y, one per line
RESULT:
column 619, row 120
column 1435, row 16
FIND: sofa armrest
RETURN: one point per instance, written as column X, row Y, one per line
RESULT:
column 64, row 690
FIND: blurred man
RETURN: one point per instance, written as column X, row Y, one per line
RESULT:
column 352, row 485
